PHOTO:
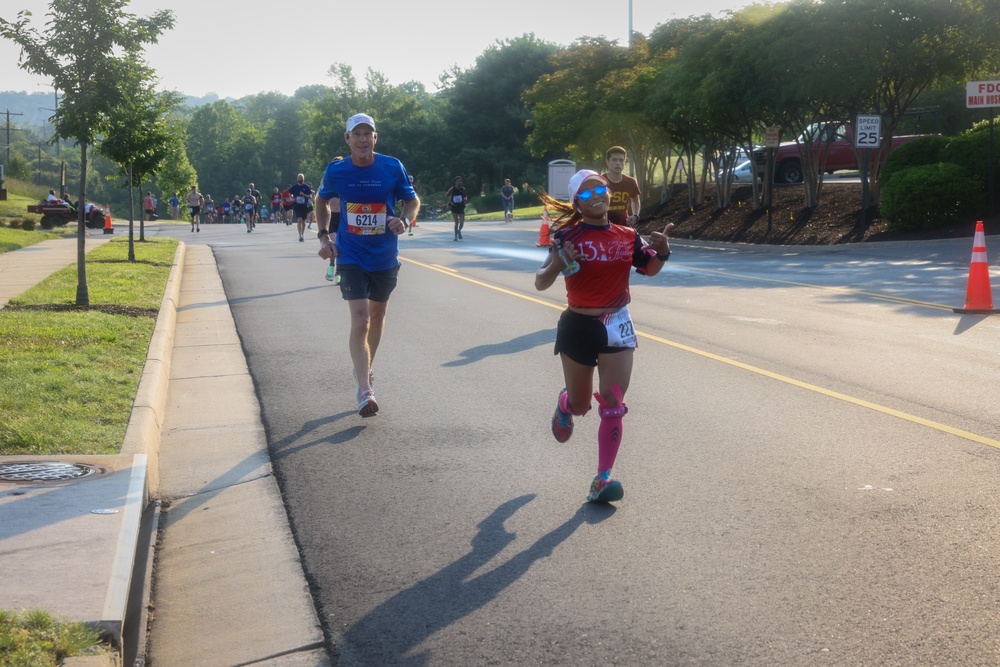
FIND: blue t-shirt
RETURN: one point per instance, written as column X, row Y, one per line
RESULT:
column 367, row 197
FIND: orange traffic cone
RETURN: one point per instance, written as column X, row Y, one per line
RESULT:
column 108, row 229
column 543, row 236
column 978, row 295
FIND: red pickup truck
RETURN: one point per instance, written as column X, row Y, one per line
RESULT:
column 836, row 138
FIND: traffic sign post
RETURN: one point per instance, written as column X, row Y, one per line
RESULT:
column 985, row 95
column 772, row 139
column 867, row 135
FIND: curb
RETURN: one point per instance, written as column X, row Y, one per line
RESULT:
column 142, row 443
column 142, row 435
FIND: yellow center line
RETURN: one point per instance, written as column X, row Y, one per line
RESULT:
column 944, row 428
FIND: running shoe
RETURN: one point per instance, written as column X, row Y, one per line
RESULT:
column 410, row 233
column 301, row 239
column 562, row 422
column 605, row 490
column 367, row 407
column 460, row 236
column 330, row 273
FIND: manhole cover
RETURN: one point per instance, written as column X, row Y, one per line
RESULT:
column 45, row 471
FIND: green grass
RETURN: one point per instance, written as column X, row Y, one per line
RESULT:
column 68, row 375
column 529, row 213
column 15, row 239
column 36, row 639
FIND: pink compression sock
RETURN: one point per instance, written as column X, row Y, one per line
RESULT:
column 567, row 408
column 609, row 434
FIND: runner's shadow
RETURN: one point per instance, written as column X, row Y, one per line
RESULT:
column 388, row 632
column 291, row 444
column 512, row 346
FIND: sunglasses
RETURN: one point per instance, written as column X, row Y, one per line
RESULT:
column 596, row 190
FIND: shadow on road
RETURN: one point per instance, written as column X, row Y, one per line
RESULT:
column 388, row 632
column 512, row 346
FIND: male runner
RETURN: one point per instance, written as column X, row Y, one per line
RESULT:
column 302, row 193
column 194, row 202
column 366, row 246
column 456, row 199
column 276, row 211
column 287, row 202
column 257, row 200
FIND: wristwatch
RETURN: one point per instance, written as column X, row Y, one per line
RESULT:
column 663, row 258
column 321, row 233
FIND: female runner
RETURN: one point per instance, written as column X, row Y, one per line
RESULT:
column 596, row 331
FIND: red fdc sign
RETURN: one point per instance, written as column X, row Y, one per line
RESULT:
column 982, row 94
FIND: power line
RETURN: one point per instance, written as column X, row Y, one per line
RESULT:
column 9, row 114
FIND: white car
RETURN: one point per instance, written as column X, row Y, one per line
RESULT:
column 742, row 173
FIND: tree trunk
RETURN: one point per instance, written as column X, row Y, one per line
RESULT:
column 131, row 214
column 82, row 293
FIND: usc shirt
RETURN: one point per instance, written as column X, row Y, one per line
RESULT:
column 621, row 194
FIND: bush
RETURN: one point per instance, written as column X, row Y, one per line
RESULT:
column 971, row 150
column 28, row 225
column 931, row 196
column 916, row 153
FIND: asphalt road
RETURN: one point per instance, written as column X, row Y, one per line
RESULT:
column 810, row 459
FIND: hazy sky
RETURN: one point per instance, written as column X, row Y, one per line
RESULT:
column 217, row 48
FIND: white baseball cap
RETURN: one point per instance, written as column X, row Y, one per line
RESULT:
column 360, row 119
column 578, row 179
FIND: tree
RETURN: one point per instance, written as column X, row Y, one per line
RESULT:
column 409, row 121
column 566, row 111
column 224, row 148
column 176, row 175
column 485, row 114
column 138, row 139
column 593, row 100
column 87, row 50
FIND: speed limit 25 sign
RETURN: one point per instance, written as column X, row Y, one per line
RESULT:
column 868, row 132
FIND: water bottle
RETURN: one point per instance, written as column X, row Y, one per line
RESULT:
column 569, row 267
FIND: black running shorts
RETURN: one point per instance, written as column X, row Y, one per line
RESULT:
column 582, row 338
column 356, row 283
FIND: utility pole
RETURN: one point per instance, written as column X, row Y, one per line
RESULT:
column 9, row 114
column 630, row 23
column 54, row 135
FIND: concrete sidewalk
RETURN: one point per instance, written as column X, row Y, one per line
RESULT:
column 229, row 585
column 22, row 269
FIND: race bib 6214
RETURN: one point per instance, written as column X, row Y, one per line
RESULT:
column 366, row 219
